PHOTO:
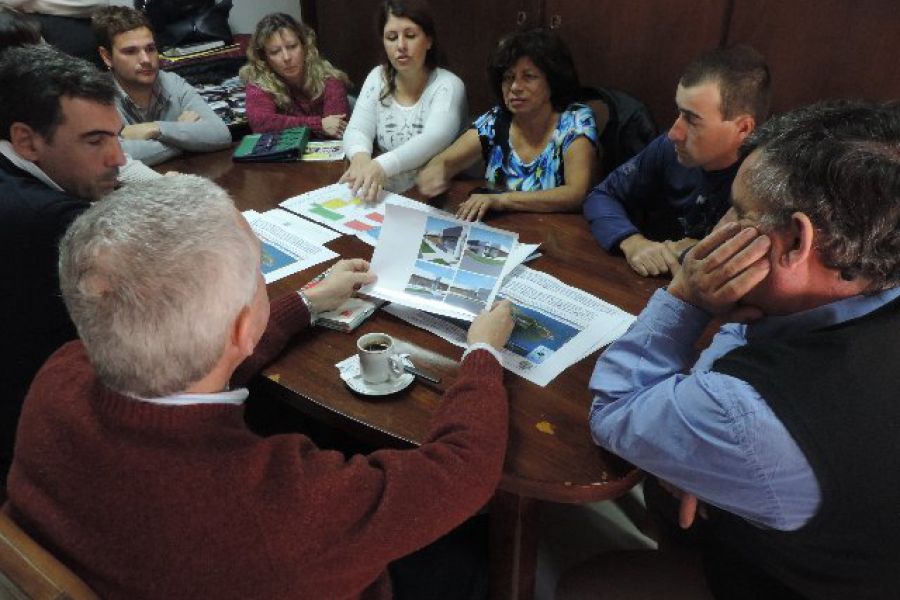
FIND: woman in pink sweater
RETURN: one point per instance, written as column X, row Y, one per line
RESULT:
column 289, row 84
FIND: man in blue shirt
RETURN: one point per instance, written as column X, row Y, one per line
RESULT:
column 659, row 203
column 786, row 428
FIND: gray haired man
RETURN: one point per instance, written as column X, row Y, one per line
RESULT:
column 786, row 428
column 134, row 463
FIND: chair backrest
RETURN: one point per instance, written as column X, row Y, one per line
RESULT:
column 27, row 571
column 628, row 129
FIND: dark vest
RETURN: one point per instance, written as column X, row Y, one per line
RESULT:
column 33, row 319
column 837, row 391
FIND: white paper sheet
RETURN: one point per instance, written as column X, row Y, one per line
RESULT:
column 439, row 263
column 557, row 325
column 335, row 206
column 289, row 243
column 323, row 150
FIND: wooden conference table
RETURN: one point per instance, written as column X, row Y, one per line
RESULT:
column 550, row 454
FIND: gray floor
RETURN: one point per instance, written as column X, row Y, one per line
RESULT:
column 570, row 534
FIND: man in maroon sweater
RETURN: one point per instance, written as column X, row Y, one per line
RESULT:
column 133, row 464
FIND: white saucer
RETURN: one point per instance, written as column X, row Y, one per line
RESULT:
column 359, row 385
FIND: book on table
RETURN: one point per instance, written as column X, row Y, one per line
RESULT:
column 284, row 146
column 348, row 315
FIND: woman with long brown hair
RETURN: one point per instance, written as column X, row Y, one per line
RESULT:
column 409, row 108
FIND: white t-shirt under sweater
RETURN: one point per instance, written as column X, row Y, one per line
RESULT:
column 407, row 136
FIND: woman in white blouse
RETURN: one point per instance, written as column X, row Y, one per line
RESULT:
column 409, row 109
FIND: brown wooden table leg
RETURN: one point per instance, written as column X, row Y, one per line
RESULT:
column 513, row 551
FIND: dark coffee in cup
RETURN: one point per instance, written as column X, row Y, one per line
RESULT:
column 376, row 347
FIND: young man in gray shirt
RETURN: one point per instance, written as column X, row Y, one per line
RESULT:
column 163, row 114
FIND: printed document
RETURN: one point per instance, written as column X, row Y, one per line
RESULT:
column 323, row 150
column 337, row 207
column 439, row 263
column 289, row 244
column 556, row 326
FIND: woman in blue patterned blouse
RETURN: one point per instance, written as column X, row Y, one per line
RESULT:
column 539, row 145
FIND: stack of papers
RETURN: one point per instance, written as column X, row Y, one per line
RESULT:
column 441, row 264
column 337, row 207
column 557, row 325
column 289, row 243
column 440, row 272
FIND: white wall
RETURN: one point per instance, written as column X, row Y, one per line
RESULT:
column 246, row 13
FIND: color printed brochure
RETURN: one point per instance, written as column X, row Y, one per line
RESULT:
column 289, row 243
column 438, row 263
column 556, row 326
column 323, row 150
column 335, row 206
column 371, row 235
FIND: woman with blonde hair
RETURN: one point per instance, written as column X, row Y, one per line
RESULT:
column 289, row 84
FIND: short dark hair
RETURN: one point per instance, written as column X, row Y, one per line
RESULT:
column 548, row 52
column 17, row 29
column 110, row 21
column 745, row 84
column 838, row 162
column 417, row 11
column 33, row 79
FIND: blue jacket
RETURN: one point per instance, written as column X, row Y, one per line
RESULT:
column 653, row 194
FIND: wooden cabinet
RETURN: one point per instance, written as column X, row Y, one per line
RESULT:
column 469, row 32
column 639, row 46
column 346, row 34
column 815, row 48
column 823, row 48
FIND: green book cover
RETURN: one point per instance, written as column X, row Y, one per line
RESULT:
column 284, row 146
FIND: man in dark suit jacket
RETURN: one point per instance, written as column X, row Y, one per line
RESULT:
column 59, row 150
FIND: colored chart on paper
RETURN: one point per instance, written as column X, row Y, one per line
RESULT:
column 339, row 204
column 370, row 236
column 327, row 214
column 359, row 225
column 336, row 207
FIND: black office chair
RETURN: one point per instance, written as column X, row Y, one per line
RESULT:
column 629, row 126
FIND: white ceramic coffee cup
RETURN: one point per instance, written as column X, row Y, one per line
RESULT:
column 378, row 360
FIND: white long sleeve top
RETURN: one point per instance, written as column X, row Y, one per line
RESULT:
column 407, row 136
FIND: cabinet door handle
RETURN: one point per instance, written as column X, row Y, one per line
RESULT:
column 555, row 21
column 521, row 17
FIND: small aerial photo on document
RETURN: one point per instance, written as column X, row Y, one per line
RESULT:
column 470, row 291
column 537, row 336
column 429, row 280
column 441, row 242
column 486, row 251
column 273, row 259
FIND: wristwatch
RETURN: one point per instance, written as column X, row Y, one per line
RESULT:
column 312, row 313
